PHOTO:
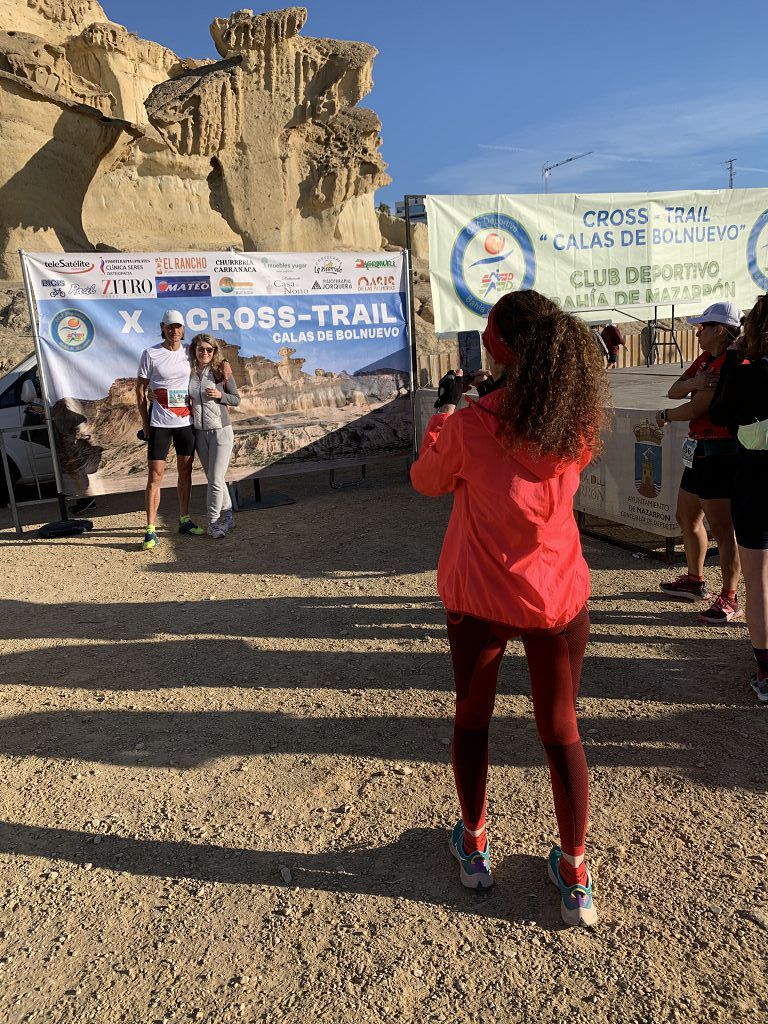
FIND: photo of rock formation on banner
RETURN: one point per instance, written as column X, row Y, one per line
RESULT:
column 286, row 417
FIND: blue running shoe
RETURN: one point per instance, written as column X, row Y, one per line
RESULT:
column 760, row 686
column 475, row 867
column 576, row 905
column 150, row 540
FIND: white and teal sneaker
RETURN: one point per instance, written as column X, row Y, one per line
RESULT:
column 760, row 686
column 475, row 868
column 576, row 905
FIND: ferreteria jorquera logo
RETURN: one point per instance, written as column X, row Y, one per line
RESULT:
column 757, row 251
column 493, row 254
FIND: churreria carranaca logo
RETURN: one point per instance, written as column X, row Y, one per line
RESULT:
column 493, row 254
column 72, row 330
column 757, row 251
column 648, row 438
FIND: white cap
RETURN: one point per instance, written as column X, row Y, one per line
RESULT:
column 172, row 316
column 719, row 313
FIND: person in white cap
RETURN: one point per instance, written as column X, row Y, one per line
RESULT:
column 164, row 371
column 709, row 461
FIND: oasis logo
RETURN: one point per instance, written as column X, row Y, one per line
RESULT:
column 376, row 284
column 373, row 264
column 72, row 330
column 183, row 286
column 328, row 265
column 69, row 266
column 127, row 286
column 492, row 254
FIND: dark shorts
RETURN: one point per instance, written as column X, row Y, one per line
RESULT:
column 750, row 521
column 714, row 470
column 161, row 438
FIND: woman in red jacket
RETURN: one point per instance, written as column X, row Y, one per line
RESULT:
column 511, row 563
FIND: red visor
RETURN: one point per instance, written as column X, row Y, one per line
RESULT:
column 495, row 345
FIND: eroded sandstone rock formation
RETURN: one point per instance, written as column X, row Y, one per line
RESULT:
column 114, row 142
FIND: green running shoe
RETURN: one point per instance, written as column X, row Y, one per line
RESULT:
column 475, row 868
column 150, row 540
column 576, row 907
column 187, row 526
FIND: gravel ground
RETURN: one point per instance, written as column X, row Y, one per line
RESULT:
column 227, row 794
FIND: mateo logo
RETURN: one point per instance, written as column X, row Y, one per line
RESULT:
column 183, row 286
column 65, row 266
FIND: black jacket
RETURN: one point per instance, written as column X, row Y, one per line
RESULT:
column 742, row 392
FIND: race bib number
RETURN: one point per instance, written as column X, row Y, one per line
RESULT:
column 177, row 398
column 689, row 448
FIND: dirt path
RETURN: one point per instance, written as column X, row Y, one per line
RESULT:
column 227, row 796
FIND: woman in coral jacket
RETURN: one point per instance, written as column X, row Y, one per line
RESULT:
column 511, row 563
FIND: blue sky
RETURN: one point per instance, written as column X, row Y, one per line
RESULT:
column 476, row 98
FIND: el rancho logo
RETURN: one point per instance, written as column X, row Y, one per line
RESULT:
column 67, row 266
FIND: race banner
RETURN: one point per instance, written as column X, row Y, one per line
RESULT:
column 318, row 344
column 636, row 479
column 593, row 253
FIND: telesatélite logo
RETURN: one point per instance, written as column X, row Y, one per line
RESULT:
column 183, row 286
column 492, row 254
column 68, row 266
column 757, row 251
column 72, row 330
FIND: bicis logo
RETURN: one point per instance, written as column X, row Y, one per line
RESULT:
column 72, row 330
column 757, row 252
column 183, row 286
column 66, row 266
column 328, row 265
column 493, row 254
column 52, row 282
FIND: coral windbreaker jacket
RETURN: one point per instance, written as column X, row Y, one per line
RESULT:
column 512, row 552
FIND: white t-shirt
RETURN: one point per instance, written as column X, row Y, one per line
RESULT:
column 168, row 376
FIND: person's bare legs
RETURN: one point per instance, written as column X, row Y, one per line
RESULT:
column 718, row 513
column 155, row 474
column 184, row 483
column 690, row 518
column 754, row 565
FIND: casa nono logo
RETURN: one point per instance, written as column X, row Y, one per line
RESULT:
column 493, row 254
column 329, row 265
column 648, row 438
column 167, row 286
column 72, row 330
column 757, row 252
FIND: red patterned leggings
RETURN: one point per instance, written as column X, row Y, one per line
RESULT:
column 554, row 664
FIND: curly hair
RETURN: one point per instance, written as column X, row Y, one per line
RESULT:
column 218, row 363
column 756, row 330
column 556, row 395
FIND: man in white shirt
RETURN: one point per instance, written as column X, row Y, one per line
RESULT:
column 164, row 371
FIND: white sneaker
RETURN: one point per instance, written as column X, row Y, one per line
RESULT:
column 216, row 531
column 227, row 520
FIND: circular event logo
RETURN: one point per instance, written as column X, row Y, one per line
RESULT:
column 492, row 255
column 757, row 251
column 72, row 330
column 227, row 284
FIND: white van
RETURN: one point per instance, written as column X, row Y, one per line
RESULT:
column 29, row 452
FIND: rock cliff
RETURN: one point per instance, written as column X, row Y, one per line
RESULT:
column 114, row 142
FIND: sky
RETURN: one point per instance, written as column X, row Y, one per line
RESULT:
column 475, row 99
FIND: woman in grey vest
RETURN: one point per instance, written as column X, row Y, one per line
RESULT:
column 212, row 389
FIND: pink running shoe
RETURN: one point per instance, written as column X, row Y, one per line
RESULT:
column 721, row 612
